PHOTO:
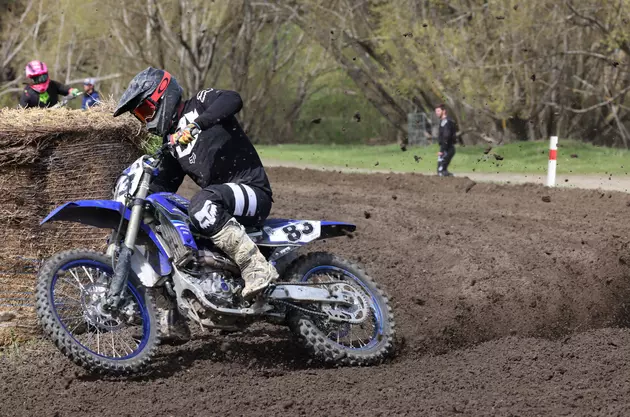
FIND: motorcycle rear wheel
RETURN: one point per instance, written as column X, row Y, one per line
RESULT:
column 333, row 342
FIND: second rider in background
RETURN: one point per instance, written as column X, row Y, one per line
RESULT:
column 42, row 91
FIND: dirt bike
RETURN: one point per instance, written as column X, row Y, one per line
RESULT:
column 100, row 308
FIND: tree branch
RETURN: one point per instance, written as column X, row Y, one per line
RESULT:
column 590, row 108
column 587, row 18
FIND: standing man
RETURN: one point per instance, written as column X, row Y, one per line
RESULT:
column 90, row 96
column 446, row 138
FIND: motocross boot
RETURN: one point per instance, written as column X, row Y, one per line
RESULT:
column 172, row 325
column 256, row 271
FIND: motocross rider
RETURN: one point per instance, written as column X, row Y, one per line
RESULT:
column 214, row 151
column 42, row 91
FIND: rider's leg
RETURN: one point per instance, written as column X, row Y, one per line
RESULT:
column 216, row 212
column 219, row 211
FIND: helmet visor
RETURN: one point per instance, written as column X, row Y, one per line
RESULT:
column 145, row 111
column 39, row 79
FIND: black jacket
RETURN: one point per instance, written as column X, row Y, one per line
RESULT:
column 31, row 98
column 447, row 134
column 221, row 153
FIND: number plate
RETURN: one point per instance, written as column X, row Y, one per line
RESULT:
column 296, row 232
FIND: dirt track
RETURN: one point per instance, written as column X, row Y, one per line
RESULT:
column 506, row 305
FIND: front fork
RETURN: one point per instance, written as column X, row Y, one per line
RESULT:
column 123, row 265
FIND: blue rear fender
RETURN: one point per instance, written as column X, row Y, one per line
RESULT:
column 336, row 229
column 280, row 232
column 105, row 214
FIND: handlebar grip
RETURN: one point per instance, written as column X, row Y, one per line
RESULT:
column 167, row 146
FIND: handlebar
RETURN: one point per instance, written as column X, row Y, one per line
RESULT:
column 65, row 101
column 158, row 155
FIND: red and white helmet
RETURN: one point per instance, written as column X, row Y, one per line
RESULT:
column 38, row 72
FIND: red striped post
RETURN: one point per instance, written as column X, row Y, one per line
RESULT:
column 553, row 154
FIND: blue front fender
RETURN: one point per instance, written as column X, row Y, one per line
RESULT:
column 105, row 214
column 98, row 213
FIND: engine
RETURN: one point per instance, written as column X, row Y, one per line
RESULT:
column 219, row 277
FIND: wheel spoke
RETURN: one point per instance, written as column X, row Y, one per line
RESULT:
column 366, row 333
column 88, row 275
column 80, row 316
column 75, row 327
column 90, row 334
column 64, row 297
column 113, row 344
column 67, row 281
column 77, row 279
column 129, row 347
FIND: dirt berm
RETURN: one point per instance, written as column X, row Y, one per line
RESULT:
column 466, row 262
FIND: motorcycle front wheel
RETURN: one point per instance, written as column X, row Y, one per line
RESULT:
column 71, row 292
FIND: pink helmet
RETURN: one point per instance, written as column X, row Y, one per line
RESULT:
column 38, row 72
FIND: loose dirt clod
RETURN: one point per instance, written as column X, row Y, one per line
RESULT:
column 417, row 300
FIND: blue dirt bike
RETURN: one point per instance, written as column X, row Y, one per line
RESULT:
column 100, row 308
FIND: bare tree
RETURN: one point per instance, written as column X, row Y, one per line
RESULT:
column 183, row 34
column 14, row 40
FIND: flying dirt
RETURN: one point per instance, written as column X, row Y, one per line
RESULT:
column 506, row 304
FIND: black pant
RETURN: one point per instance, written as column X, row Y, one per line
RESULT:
column 213, row 206
column 445, row 160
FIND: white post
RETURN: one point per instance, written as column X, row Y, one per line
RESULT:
column 553, row 151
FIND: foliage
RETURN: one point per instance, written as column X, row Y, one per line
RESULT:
column 508, row 70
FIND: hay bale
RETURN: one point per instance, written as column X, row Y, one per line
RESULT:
column 49, row 157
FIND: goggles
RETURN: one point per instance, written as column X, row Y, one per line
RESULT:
column 39, row 79
column 145, row 111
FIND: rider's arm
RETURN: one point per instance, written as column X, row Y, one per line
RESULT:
column 170, row 177
column 64, row 90
column 27, row 100
column 219, row 105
